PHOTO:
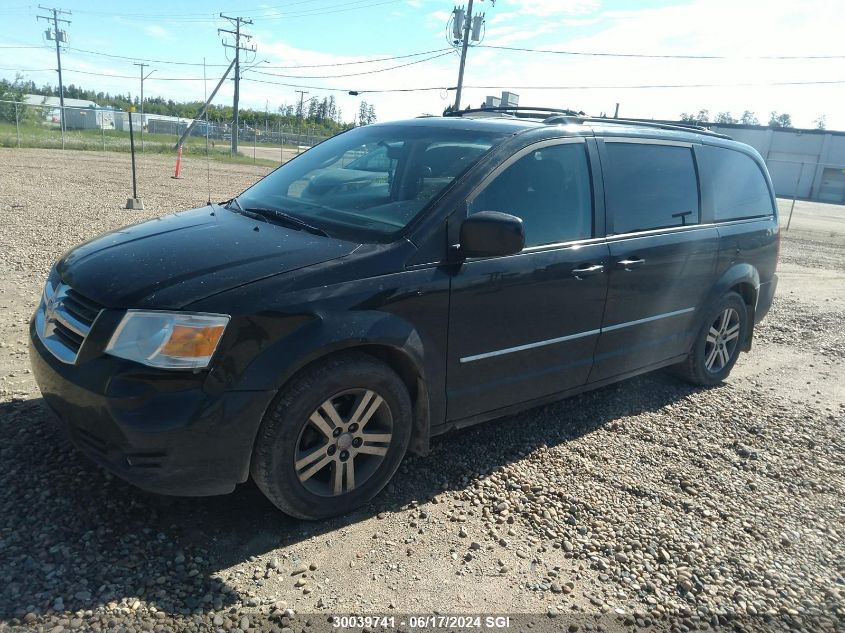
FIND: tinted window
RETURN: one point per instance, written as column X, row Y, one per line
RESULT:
column 550, row 190
column 739, row 188
column 650, row 186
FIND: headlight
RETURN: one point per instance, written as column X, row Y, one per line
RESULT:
column 170, row 340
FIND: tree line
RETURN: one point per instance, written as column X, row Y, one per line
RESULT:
column 776, row 119
column 322, row 116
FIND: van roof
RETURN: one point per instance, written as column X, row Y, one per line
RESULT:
column 526, row 118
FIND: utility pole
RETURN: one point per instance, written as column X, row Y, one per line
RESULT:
column 465, row 28
column 237, row 22
column 58, row 36
column 142, row 99
column 302, row 94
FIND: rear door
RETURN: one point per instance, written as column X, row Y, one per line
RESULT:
column 662, row 259
column 525, row 326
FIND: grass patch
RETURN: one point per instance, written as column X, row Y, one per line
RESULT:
column 43, row 137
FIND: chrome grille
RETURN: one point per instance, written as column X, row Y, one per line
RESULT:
column 63, row 321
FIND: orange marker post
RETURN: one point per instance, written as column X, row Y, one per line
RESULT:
column 178, row 173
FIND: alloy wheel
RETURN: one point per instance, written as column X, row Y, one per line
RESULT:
column 343, row 443
column 722, row 341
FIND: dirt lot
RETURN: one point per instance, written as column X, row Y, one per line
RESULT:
column 647, row 503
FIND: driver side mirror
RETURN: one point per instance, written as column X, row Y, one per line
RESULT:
column 491, row 234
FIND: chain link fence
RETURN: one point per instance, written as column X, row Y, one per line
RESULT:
column 25, row 125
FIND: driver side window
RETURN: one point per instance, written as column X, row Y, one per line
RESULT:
column 550, row 190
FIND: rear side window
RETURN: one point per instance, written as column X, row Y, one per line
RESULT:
column 739, row 188
column 550, row 190
column 650, row 186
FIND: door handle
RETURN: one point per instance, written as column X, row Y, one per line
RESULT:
column 587, row 271
column 628, row 264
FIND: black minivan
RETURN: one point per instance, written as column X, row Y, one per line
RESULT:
column 395, row 282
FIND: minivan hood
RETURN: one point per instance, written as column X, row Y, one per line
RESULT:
column 175, row 260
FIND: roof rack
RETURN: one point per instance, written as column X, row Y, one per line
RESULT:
column 678, row 127
column 517, row 112
column 557, row 116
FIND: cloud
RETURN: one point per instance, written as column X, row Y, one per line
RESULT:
column 157, row 31
column 505, row 35
column 553, row 7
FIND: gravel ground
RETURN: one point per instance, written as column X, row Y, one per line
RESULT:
column 646, row 504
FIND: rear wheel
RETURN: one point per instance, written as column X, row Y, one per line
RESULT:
column 718, row 343
column 333, row 437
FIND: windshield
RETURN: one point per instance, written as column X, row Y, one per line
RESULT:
column 368, row 183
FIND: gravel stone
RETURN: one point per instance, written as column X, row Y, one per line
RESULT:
column 651, row 503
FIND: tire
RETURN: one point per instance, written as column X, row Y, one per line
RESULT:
column 333, row 437
column 705, row 365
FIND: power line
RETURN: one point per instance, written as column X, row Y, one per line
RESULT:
column 100, row 74
column 801, row 82
column 141, row 59
column 616, row 87
column 655, row 56
column 197, row 13
column 129, row 58
column 474, row 87
column 367, row 72
column 363, row 61
column 276, row 14
column 658, row 86
column 347, row 90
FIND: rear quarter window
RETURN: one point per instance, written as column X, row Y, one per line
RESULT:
column 740, row 189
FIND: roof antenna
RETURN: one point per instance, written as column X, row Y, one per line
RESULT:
column 207, row 157
column 616, row 112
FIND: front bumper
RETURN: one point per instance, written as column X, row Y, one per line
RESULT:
column 160, row 431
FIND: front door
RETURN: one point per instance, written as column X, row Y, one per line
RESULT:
column 525, row 326
column 662, row 260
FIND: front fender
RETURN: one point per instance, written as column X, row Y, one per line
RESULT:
column 327, row 334
column 384, row 335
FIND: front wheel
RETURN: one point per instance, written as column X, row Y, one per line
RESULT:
column 718, row 343
column 333, row 437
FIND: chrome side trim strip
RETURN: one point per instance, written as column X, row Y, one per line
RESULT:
column 665, row 315
column 572, row 337
column 520, row 348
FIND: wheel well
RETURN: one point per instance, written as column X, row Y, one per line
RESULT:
column 747, row 292
column 414, row 382
column 749, row 296
column 397, row 361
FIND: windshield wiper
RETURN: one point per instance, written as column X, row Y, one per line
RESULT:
column 284, row 218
